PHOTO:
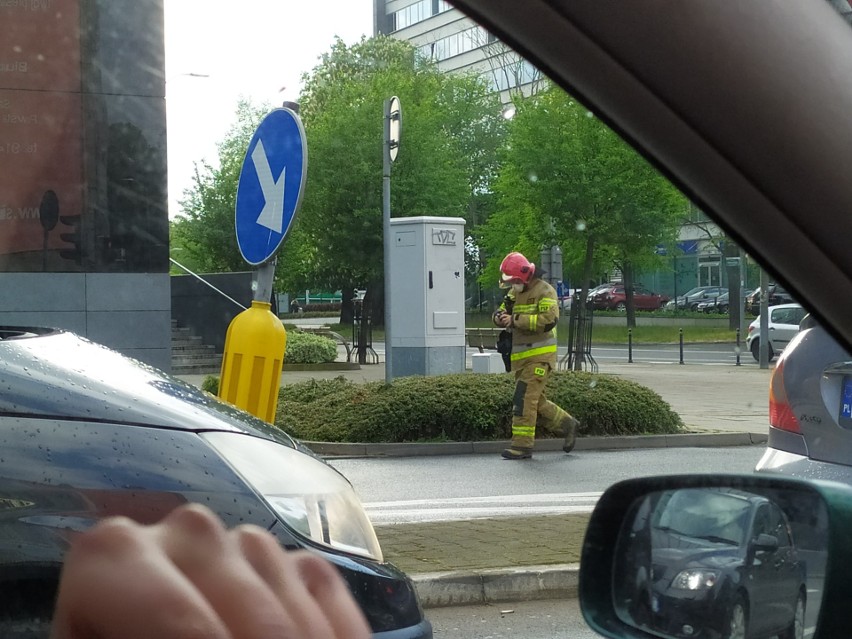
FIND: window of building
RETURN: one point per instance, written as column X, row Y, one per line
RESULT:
column 417, row 12
column 455, row 44
column 514, row 74
column 412, row 14
column 710, row 270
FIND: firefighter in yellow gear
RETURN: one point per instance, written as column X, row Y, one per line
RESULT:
column 530, row 311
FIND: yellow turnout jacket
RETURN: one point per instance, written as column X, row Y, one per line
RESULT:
column 535, row 311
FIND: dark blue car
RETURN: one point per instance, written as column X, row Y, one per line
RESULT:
column 714, row 563
column 86, row 433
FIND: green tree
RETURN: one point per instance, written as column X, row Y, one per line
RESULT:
column 567, row 179
column 204, row 230
column 451, row 130
column 449, row 123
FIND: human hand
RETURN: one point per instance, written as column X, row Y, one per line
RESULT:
column 504, row 320
column 188, row 576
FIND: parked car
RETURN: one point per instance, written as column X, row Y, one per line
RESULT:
column 783, row 325
column 775, row 295
column 695, row 296
column 718, row 560
column 810, row 409
column 719, row 304
column 613, row 297
column 88, row 433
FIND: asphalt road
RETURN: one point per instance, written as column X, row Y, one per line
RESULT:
column 548, row 619
column 421, row 489
column 712, row 354
column 716, row 354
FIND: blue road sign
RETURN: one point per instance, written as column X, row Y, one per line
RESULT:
column 272, row 180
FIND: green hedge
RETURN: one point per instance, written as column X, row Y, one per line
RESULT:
column 305, row 348
column 462, row 407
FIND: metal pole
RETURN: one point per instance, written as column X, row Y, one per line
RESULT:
column 629, row 345
column 763, row 344
column 741, row 302
column 386, row 200
column 264, row 281
column 680, row 331
column 738, row 346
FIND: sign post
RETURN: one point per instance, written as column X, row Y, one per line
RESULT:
column 392, row 132
column 269, row 194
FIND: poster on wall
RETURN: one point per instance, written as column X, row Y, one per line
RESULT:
column 41, row 175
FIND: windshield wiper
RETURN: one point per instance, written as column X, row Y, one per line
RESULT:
column 717, row 539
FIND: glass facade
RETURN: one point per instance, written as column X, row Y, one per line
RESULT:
column 82, row 137
column 417, row 12
column 514, row 74
column 456, row 44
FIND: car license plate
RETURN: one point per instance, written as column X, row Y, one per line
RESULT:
column 846, row 398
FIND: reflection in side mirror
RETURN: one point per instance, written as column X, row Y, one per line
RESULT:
column 766, row 542
column 718, row 561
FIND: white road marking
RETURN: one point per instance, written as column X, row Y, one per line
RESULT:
column 272, row 215
column 466, row 508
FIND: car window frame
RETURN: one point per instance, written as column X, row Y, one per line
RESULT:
column 577, row 43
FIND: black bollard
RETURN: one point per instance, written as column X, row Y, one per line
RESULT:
column 680, row 330
column 738, row 346
column 629, row 345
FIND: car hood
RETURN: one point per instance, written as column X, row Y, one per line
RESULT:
column 677, row 559
column 57, row 374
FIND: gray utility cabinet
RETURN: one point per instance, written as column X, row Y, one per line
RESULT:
column 427, row 295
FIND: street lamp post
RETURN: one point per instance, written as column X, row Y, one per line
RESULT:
column 392, row 124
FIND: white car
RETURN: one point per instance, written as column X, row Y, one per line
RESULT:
column 784, row 322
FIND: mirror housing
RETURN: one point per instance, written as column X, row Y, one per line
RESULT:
column 615, row 512
column 766, row 542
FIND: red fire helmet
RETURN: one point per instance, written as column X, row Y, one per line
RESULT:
column 516, row 269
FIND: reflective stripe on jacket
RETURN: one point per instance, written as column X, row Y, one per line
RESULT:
column 534, row 316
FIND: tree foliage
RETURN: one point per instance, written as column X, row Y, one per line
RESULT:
column 451, row 128
column 204, row 231
column 448, row 124
column 567, row 179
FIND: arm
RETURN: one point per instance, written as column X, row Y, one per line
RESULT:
column 502, row 317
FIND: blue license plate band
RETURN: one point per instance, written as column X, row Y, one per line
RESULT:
column 846, row 398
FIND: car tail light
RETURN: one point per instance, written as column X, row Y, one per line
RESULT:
column 780, row 412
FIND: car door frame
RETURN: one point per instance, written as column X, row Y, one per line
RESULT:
column 657, row 71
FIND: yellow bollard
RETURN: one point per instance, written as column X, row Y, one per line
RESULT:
column 251, row 366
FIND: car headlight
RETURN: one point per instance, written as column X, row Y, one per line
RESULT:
column 695, row 579
column 307, row 495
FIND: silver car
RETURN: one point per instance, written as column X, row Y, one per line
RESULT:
column 784, row 322
column 695, row 296
column 810, row 410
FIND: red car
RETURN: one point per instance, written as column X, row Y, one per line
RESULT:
column 614, row 298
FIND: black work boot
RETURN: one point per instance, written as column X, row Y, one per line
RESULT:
column 569, row 430
column 517, row 453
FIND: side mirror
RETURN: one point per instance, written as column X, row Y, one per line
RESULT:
column 766, row 543
column 668, row 557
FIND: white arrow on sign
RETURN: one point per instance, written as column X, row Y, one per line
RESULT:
column 272, row 215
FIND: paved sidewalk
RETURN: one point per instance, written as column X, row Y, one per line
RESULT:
column 514, row 559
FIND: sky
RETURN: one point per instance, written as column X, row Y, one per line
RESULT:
column 257, row 49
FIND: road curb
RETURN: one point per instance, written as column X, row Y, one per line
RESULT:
column 338, row 449
column 459, row 588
